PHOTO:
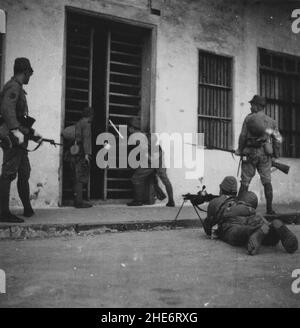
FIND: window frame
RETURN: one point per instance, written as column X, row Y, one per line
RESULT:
column 2, row 52
column 290, row 108
column 223, row 142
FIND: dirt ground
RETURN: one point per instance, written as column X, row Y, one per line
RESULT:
column 174, row 268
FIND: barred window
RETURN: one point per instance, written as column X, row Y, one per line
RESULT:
column 215, row 100
column 280, row 84
column 1, row 59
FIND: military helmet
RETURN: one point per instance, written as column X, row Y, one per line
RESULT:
column 258, row 100
column 250, row 198
column 135, row 122
column 22, row 65
column 229, row 185
column 87, row 112
column 256, row 125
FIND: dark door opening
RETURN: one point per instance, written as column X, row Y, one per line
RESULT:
column 108, row 67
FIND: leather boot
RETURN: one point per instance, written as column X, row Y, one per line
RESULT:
column 24, row 194
column 269, row 198
column 5, row 215
column 243, row 189
column 256, row 240
column 138, row 191
column 288, row 239
column 78, row 202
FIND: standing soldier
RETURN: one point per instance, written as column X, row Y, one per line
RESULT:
column 13, row 112
column 259, row 141
column 79, row 156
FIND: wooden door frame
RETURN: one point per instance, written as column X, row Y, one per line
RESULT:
column 153, row 35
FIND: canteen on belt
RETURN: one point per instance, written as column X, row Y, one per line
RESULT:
column 4, row 132
column 268, row 148
column 75, row 149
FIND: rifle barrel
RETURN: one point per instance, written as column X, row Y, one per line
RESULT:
column 51, row 141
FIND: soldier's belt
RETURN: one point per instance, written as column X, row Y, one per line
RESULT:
column 255, row 143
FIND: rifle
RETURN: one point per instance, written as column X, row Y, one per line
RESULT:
column 40, row 141
column 52, row 142
column 280, row 166
column 28, row 122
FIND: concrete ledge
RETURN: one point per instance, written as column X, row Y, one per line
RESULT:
column 31, row 231
column 288, row 218
column 46, row 230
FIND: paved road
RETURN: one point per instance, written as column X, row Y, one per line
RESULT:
column 177, row 268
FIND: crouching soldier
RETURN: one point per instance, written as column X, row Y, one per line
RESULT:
column 240, row 225
column 141, row 174
column 79, row 155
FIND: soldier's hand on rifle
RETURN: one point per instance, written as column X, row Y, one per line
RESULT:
column 19, row 135
column 37, row 137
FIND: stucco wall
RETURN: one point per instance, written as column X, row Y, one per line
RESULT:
column 36, row 29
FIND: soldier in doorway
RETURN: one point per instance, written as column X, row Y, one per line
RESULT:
column 79, row 156
column 259, row 141
column 14, row 111
column 141, row 174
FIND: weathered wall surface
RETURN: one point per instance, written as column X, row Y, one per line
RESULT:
column 236, row 28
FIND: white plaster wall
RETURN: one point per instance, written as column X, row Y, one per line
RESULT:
column 36, row 29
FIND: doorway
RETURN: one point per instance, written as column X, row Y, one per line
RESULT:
column 108, row 67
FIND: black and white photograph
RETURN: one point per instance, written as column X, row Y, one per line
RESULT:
column 150, row 157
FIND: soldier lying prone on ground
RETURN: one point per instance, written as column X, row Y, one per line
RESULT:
column 240, row 225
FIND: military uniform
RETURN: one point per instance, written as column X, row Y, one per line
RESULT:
column 141, row 175
column 239, row 221
column 79, row 165
column 239, row 224
column 15, row 159
column 258, row 148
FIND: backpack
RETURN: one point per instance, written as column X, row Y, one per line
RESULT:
column 69, row 133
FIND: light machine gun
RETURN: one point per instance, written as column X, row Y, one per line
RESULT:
column 196, row 199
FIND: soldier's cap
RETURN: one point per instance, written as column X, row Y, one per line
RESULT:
column 229, row 185
column 87, row 112
column 22, row 65
column 258, row 100
column 135, row 122
column 250, row 198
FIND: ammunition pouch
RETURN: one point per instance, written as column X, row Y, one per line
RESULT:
column 4, row 132
column 268, row 148
column 7, row 139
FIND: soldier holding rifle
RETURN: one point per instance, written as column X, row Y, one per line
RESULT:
column 259, row 142
column 14, row 112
